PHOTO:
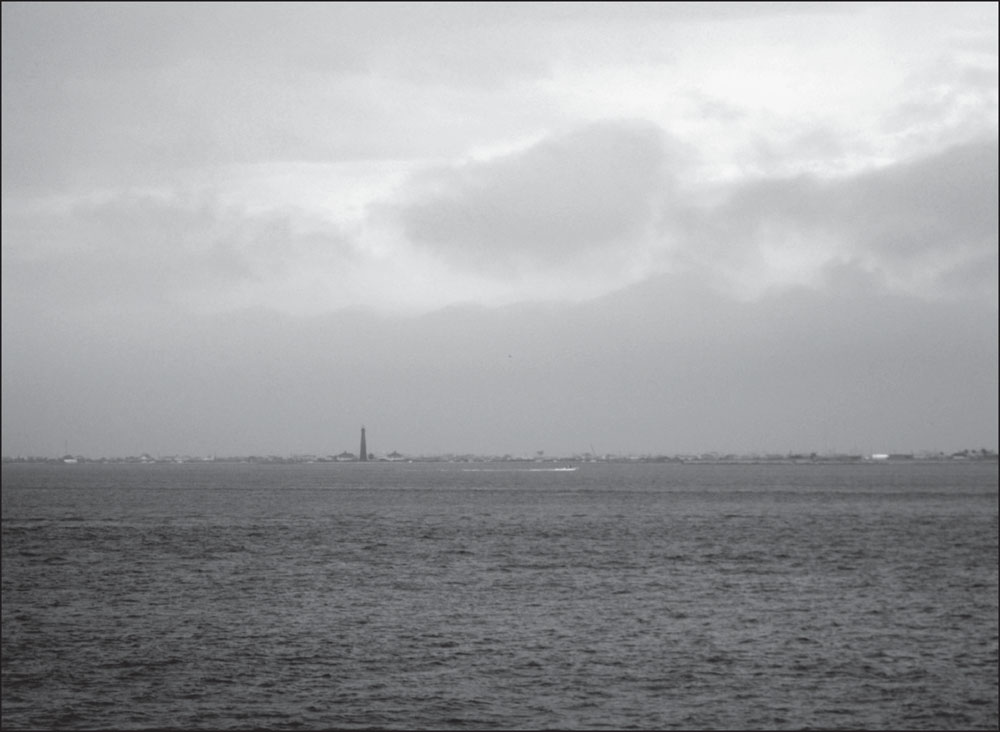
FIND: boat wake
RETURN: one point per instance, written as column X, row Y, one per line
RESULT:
column 519, row 470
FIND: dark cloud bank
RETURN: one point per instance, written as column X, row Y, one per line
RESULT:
column 666, row 366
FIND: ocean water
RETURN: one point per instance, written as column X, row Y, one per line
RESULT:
column 461, row 596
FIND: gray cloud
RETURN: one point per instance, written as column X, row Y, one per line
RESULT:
column 935, row 217
column 141, row 251
column 564, row 197
column 941, row 202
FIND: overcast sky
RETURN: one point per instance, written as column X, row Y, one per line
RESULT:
column 499, row 228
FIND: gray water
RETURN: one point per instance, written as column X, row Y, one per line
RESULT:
column 444, row 596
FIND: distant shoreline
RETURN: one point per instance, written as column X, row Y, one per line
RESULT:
column 980, row 455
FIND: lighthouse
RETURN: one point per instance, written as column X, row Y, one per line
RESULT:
column 364, row 448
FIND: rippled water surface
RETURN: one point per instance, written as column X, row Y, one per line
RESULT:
column 479, row 596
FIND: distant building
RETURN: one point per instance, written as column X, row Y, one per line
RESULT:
column 364, row 447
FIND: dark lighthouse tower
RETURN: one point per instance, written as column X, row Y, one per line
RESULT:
column 364, row 447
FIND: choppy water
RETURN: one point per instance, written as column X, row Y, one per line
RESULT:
column 435, row 596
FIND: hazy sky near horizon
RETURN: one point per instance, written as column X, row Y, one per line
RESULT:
column 250, row 228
